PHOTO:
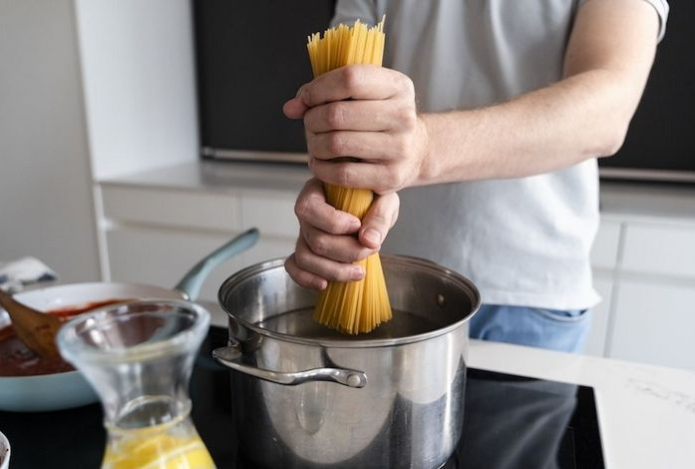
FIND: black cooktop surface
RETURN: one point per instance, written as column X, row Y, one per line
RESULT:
column 510, row 422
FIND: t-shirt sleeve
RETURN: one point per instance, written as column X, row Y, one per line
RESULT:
column 348, row 11
column 662, row 8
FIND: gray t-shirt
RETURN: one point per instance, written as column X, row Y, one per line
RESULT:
column 522, row 241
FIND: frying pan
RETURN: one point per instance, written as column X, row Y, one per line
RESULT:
column 66, row 390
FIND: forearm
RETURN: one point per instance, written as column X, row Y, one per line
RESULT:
column 369, row 113
column 584, row 116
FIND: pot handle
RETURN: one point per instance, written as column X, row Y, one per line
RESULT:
column 231, row 358
column 192, row 282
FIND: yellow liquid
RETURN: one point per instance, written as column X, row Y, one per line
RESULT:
column 159, row 450
column 151, row 434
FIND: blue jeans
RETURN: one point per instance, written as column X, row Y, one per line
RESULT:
column 565, row 331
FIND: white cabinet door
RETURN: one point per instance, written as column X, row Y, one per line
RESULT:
column 654, row 323
column 660, row 249
column 163, row 256
column 604, row 251
column 172, row 208
column 596, row 342
column 271, row 212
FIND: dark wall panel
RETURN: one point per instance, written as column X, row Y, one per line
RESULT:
column 251, row 57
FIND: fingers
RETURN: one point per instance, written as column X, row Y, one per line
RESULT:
column 380, row 218
column 303, row 277
column 312, row 209
column 339, row 248
column 362, row 145
column 363, row 82
column 373, row 116
column 359, row 82
column 313, row 271
column 294, row 108
column 381, row 178
column 327, row 244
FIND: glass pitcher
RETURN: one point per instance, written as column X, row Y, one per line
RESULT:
column 139, row 358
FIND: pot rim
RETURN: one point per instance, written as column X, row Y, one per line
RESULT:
column 351, row 342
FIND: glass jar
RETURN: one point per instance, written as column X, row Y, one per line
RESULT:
column 139, row 356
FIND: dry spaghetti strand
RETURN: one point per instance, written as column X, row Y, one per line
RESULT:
column 351, row 307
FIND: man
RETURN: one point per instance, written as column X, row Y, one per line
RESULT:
column 488, row 116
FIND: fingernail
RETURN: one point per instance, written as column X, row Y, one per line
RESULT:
column 354, row 225
column 373, row 236
column 357, row 273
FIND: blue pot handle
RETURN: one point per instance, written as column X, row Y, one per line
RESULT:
column 192, row 282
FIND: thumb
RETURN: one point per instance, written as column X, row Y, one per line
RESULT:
column 380, row 218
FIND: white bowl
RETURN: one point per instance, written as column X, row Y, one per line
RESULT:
column 4, row 452
column 65, row 390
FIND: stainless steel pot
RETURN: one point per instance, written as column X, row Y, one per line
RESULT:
column 308, row 397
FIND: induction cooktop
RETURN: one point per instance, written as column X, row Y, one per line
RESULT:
column 509, row 422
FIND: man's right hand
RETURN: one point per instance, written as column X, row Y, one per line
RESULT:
column 330, row 240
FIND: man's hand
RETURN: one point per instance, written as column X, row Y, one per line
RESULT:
column 330, row 240
column 364, row 112
column 368, row 114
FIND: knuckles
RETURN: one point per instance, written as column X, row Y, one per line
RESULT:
column 336, row 225
column 405, row 86
column 302, row 257
column 335, row 143
column 319, row 245
column 407, row 117
column 395, row 179
column 336, row 115
column 341, row 275
column 351, row 79
column 343, row 175
column 307, row 96
column 302, row 208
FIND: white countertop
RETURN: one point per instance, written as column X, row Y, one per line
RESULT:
column 218, row 176
column 646, row 413
column 632, row 199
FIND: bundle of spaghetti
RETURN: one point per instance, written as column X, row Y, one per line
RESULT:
column 358, row 306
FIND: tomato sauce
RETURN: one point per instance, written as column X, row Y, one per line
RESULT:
column 17, row 360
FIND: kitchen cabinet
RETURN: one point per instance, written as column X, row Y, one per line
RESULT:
column 172, row 208
column 604, row 259
column 604, row 252
column 654, row 309
column 156, row 228
column 162, row 256
column 600, row 315
column 651, row 315
column 155, row 225
column 654, row 322
column 660, row 249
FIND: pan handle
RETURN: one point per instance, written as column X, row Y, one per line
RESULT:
column 192, row 282
column 231, row 358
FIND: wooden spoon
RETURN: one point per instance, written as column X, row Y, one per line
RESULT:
column 36, row 329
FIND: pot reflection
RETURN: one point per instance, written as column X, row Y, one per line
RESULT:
column 514, row 422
